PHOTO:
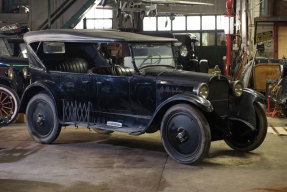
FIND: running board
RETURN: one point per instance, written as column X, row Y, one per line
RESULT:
column 128, row 130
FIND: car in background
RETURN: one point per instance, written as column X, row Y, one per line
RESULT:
column 126, row 82
column 185, row 53
column 13, row 77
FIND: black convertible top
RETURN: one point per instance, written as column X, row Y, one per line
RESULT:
column 84, row 35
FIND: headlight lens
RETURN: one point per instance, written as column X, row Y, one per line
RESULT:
column 237, row 88
column 10, row 73
column 183, row 51
column 203, row 90
column 25, row 72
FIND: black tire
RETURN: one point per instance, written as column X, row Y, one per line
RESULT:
column 185, row 134
column 42, row 119
column 253, row 140
column 102, row 131
column 9, row 105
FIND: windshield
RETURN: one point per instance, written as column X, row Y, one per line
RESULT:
column 153, row 55
column 3, row 48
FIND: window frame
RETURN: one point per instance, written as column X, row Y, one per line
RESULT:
column 200, row 31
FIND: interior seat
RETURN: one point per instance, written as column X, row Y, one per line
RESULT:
column 73, row 65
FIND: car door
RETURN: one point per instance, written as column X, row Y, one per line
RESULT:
column 143, row 95
column 75, row 87
column 110, row 94
column 111, row 100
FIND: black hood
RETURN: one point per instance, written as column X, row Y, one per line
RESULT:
column 182, row 77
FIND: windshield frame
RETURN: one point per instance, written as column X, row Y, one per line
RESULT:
column 131, row 47
column 6, row 47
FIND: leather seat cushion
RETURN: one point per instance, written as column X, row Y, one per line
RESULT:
column 74, row 65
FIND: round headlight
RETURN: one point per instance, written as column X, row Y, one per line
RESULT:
column 183, row 51
column 25, row 72
column 203, row 90
column 237, row 88
column 10, row 73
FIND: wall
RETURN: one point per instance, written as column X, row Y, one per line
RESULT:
column 39, row 12
column 280, row 7
column 12, row 18
column 268, row 45
column 9, row 5
column 253, row 12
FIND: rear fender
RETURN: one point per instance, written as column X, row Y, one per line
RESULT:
column 37, row 87
column 8, row 82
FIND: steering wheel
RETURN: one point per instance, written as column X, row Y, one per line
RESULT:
column 150, row 57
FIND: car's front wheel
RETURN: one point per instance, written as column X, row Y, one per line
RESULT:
column 9, row 105
column 42, row 119
column 241, row 141
column 185, row 134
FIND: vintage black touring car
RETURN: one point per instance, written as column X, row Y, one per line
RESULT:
column 119, row 81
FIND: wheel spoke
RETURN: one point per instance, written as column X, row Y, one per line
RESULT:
column 4, row 111
column 8, row 107
column 4, row 99
column 7, row 103
column 0, row 97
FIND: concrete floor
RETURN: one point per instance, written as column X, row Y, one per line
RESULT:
column 83, row 161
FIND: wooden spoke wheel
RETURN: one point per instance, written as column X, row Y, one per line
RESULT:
column 9, row 105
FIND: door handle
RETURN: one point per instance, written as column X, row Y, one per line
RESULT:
column 85, row 81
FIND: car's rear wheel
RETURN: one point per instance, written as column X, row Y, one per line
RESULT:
column 42, row 119
column 9, row 105
column 247, row 142
column 185, row 134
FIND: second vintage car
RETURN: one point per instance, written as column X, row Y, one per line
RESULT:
column 13, row 77
column 119, row 81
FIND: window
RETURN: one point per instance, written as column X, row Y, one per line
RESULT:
column 3, row 48
column 164, row 23
column 178, row 24
column 221, row 21
column 221, row 39
column 149, row 24
column 209, row 29
column 97, row 19
column 54, row 48
column 208, row 22
column 193, row 23
column 208, row 39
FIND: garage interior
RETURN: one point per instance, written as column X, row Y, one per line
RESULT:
column 243, row 40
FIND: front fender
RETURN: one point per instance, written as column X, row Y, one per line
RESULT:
column 201, row 103
column 37, row 87
column 243, row 107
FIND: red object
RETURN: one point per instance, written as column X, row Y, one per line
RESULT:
column 272, row 112
column 228, row 37
column 229, row 4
